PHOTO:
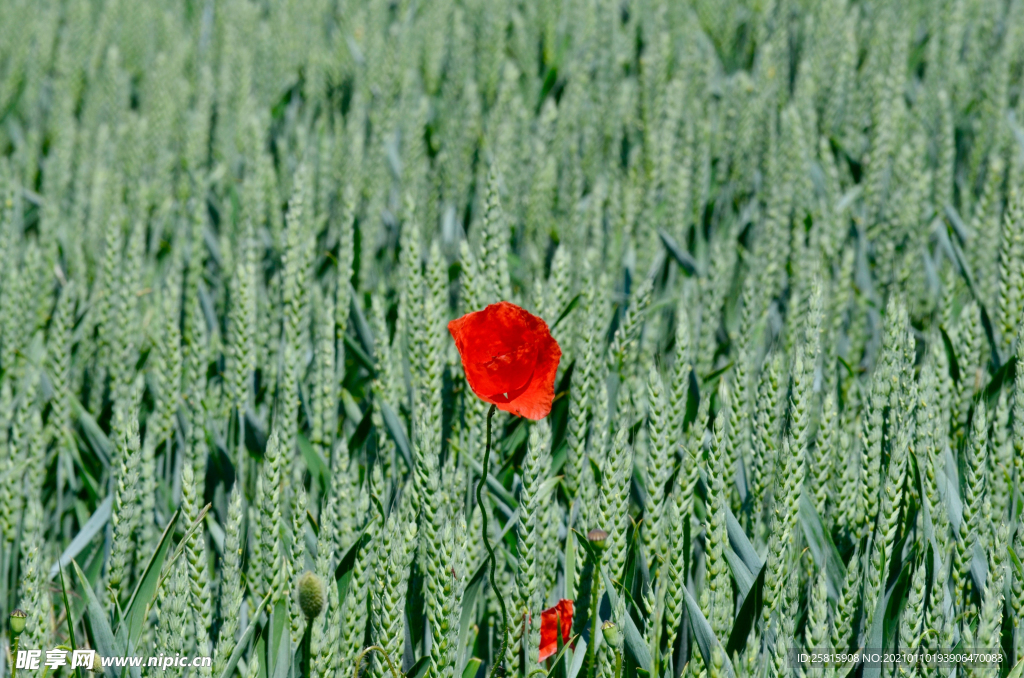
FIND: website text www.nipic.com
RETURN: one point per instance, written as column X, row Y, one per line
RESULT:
column 90, row 659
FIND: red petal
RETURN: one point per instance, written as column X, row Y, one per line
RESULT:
column 549, row 620
column 535, row 402
column 509, row 357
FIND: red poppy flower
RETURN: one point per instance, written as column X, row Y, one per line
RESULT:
column 510, row 358
column 549, row 620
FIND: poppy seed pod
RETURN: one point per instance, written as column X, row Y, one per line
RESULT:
column 17, row 622
column 611, row 633
column 311, row 595
column 598, row 538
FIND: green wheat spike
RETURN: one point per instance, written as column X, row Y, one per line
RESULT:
column 681, row 368
column 613, row 511
column 819, row 622
column 576, row 434
column 872, row 423
column 1000, row 460
column 354, row 609
column 494, row 243
column 775, row 572
column 390, row 589
column 123, row 515
column 974, row 486
column 660, row 466
column 33, row 583
column 296, row 562
column 296, row 265
column 913, row 622
column 885, row 533
column 1011, row 273
column 323, row 386
column 242, row 322
column 530, row 570
column 1017, row 593
column 232, row 590
column 199, row 600
column 991, row 616
column 435, row 311
column 719, row 592
column 624, row 343
column 826, row 453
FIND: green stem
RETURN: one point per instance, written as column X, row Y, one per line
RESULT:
column 618, row 663
column 14, row 658
column 595, row 605
column 487, row 545
column 304, row 662
column 656, row 650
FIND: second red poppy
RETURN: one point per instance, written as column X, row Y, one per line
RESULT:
column 549, row 622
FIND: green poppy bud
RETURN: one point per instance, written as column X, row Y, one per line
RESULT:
column 17, row 622
column 311, row 595
column 92, row 661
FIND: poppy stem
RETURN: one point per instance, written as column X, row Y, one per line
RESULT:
column 487, row 545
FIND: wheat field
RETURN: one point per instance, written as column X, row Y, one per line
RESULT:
column 780, row 244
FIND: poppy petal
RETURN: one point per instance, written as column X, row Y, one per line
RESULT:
column 507, row 372
column 509, row 358
column 495, row 330
column 549, row 622
column 535, row 402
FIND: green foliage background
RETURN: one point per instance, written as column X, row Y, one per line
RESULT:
column 780, row 242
